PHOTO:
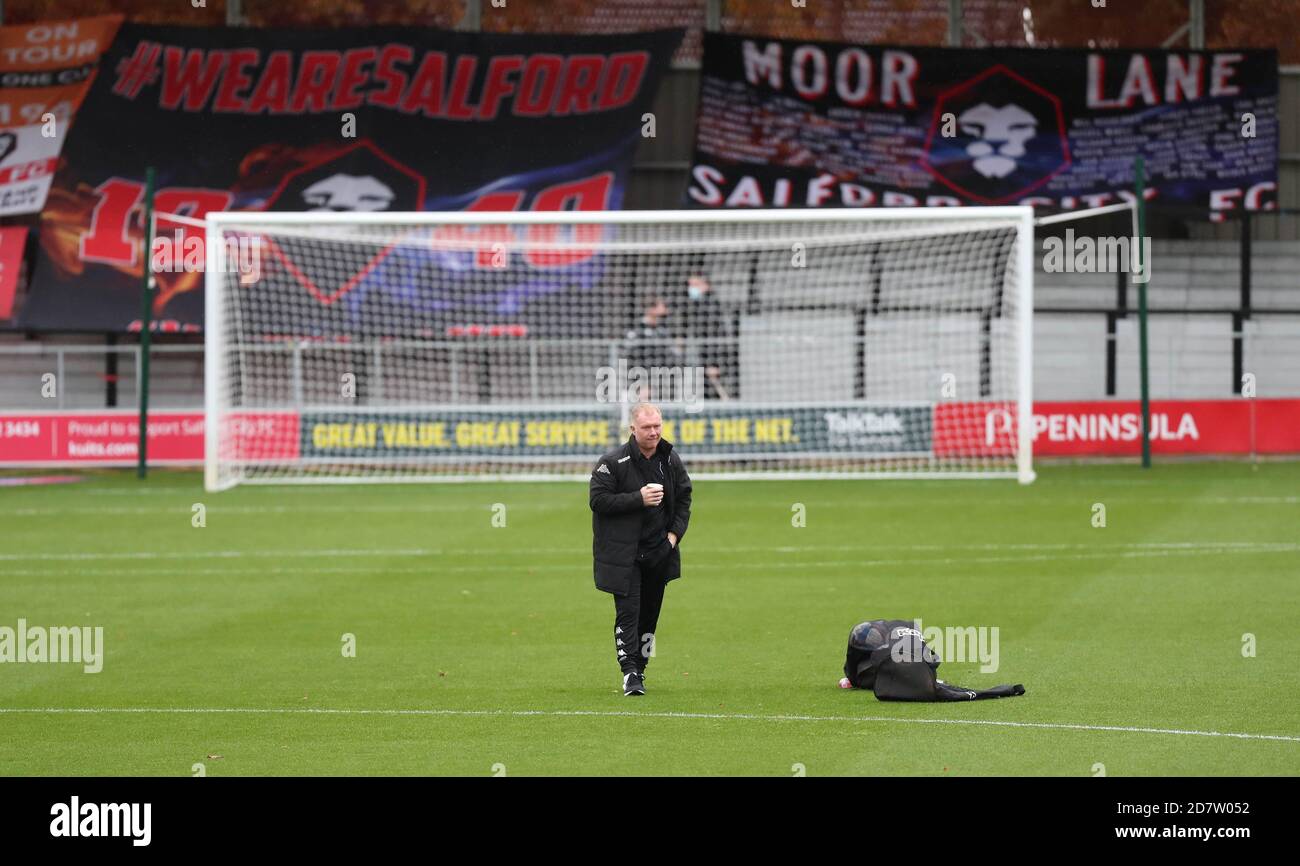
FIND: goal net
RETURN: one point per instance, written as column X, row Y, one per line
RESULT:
column 360, row 347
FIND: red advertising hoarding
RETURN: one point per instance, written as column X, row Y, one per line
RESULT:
column 1099, row 428
column 111, row 438
column 1113, row 428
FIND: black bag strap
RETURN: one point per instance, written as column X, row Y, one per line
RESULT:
column 950, row 692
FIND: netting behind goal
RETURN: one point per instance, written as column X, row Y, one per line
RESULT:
column 376, row 347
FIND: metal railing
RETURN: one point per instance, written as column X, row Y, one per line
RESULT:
column 393, row 372
column 22, row 375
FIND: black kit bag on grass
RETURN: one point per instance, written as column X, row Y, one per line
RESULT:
column 891, row 658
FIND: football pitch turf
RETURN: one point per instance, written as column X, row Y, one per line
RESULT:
column 1164, row 643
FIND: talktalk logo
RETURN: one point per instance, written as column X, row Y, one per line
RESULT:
column 1094, row 427
column 863, row 423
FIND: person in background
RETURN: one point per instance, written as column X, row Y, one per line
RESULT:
column 651, row 343
column 706, row 329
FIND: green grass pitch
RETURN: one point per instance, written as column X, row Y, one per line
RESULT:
column 483, row 650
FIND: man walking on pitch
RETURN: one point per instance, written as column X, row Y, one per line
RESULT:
column 640, row 506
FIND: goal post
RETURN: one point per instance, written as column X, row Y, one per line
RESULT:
column 353, row 347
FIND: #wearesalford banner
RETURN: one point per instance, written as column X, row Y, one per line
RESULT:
column 47, row 69
column 789, row 123
column 378, row 119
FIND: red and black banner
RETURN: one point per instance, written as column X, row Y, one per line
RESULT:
column 793, row 123
column 12, row 241
column 379, row 119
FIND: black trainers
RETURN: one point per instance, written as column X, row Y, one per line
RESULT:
column 632, row 684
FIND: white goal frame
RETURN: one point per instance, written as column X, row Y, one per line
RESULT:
column 215, row 337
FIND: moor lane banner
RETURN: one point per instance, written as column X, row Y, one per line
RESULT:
column 793, row 123
column 372, row 119
column 45, row 70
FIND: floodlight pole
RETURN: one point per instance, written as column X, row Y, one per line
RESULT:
column 1139, row 184
column 146, row 310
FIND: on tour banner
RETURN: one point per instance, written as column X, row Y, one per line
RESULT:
column 796, row 123
column 362, row 119
column 1104, row 428
column 47, row 67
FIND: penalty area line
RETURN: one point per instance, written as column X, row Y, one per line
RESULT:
column 749, row 717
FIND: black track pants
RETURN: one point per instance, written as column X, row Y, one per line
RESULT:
column 636, row 615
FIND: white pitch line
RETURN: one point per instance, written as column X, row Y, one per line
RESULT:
column 226, row 554
column 750, row 567
column 216, row 510
column 1094, row 551
column 757, row 567
column 1085, row 476
column 451, row 507
column 995, row 546
column 749, row 717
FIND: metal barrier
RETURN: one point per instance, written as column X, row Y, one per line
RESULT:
column 97, row 377
column 1191, row 363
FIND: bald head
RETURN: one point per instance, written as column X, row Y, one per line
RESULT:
column 647, row 425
